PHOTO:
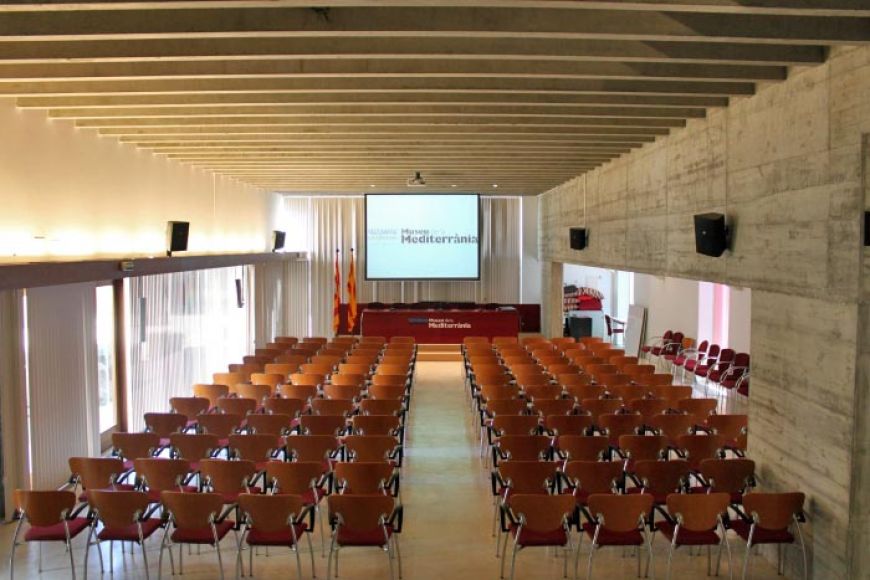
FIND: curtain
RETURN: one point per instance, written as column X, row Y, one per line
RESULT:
column 183, row 327
column 320, row 225
column 13, row 398
column 62, row 379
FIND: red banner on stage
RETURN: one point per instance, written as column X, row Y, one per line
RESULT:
column 440, row 326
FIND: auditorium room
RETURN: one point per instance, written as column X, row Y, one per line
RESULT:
column 425, row 289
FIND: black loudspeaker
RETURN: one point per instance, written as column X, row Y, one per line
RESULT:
column 278, row 240
column 867, row 228
column 578, row 238
column 240, row 294
column 176, row 233
column 711, row 234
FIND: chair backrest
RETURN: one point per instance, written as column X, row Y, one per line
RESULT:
column 698, row 512
column 270, row 513
column 230, row 379
column 238, row 405
column 293, row 477
column 282, row 406
column 370, row 447
column 300, row 392
column 267, row 378
column 599, row 407
column 619, row 513
column 620, row 424
column 582, row 447
column 220, row 424
column 697, row 448
column 663, row 477
column 713, row 352
column 194, row 446
column 311, row 447
column 568, row 424
column 703, row 346
column 288, row 340
column 595, row 476
column 672, row 425
column 285, row 369
column 728, row 475
column 360, row 512
column 515, row 424
column 643, row 447
column 44, row 508
column 700, row 409
column 543, row 513
column 363, row 477
column 741, row 359
column 726, row 356
column 381, row 406
column 390, row 392
column 547, row 391
column 192, row 510
column 388, row 380
column 164, row 424
column 210, row 392
column 227, row 476
column 348, row 380
column 584, row 391
column 307, row 379
column 648, row 408
column 375, row 424
column 135, row 445
column 524, row 447
column 189, row 406
column 728, row 426
column 327, row 407
column 254, row 446
column 547, row 407
column 256, row 393
column 322, row 424
column 294, row 358
column 529, row 476
column 774, row 511
column 342, row 392
column 161, row 474
column 97, row 472
column 276, row 423
column 118, row 509
column 515, row 406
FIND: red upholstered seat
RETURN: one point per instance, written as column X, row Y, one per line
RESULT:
column 56, row 532
column 130, row 533
column 202, row 535
column 608, row 538
column 761, row 535
column 689, row 537
column 529, row 537
column 373, row 537
column 280, row 538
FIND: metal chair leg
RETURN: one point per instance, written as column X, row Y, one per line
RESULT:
column 514, row 557
column 311, row 553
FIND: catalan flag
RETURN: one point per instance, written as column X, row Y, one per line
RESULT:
column 351, row 294
column 336, row 297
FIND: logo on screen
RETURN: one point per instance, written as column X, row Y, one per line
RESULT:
column 435, row 237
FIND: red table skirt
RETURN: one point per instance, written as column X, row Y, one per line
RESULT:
column 440, row 326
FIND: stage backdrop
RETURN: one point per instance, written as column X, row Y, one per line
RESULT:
column 301, row 293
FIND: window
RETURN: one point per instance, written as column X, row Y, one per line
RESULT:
column 714, row 304
column 105, row 332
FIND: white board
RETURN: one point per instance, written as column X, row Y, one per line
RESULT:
column 634, row 327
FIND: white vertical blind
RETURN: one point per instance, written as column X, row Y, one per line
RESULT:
column 322, row 224
column 183, row 327
column 62, row 367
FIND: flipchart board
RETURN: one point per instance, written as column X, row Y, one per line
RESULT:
column 634, row 328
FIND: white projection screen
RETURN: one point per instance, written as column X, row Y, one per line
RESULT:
column 422, row 237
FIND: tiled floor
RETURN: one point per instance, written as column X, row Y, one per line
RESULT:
column 447, row 498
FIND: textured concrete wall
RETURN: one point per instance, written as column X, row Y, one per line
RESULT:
column 786, row 167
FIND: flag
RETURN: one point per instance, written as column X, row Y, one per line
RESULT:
column 336, row 297
column 351, row 294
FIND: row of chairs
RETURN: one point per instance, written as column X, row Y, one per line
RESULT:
column 284, row 472
column 608, row 472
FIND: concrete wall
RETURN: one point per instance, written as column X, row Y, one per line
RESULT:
column 67, row 192
column 530, row 291
column 785, row 166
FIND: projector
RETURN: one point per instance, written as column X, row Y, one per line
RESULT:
column 416, row 180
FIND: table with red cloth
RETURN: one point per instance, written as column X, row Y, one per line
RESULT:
column 440, row 326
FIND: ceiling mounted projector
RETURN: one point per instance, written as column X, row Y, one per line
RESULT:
column 416, row 180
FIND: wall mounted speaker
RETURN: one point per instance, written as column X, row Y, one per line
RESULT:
column 278, row 240
column 711, row 234
column 577, row 238
column 176, row 234
column 240, row 295
column 867, row 228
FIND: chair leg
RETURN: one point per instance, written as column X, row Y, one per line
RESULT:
column 217, row 546
column 503, row 556
column 319, row 513
column 746, row 559
column 389, row 551
column 670, row 557
column 800, row 535
column 577, row 552
column 298, row 561
column 12, row 551
column 145, row 560
column 87, row 551
column 514, row 558
column 329, row 559
column 398, row 554
column 589, row 563
column 72, row 564
column 311, row 553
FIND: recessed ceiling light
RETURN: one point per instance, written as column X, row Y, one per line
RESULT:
column 454, row 185
column 372, row 185
column 495, row 185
